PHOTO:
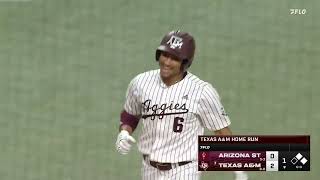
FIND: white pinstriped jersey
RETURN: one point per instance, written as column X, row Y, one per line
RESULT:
column 173, row 116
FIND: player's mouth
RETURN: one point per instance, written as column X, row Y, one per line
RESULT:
column 166, row 70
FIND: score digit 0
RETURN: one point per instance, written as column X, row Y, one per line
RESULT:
column 272, row 156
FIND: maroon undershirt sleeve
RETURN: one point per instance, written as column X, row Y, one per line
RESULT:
column 128, row 119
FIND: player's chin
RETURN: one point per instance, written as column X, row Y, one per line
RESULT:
column 164, row 75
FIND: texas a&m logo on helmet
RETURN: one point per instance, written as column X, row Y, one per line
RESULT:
column 175, row 42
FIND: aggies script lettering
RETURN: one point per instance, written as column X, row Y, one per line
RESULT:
column 161, row 110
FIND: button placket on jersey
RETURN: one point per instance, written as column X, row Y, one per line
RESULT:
column 163, row 99
column 158, row 121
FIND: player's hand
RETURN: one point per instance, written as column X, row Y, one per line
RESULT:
column 124, row 142
column 240, row 175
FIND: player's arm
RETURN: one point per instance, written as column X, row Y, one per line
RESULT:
column 223, row 132
column 125, row 140
column 239, row 175
column 127, row 128
column 216, row 119
column 129, row 119
column 128, row 122
column 211, row 111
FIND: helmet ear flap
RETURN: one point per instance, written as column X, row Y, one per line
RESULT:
column 158, row 52
column 185, row 65
column 185, row 62
column 189, row 63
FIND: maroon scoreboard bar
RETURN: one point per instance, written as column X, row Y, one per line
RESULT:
column 254, row 153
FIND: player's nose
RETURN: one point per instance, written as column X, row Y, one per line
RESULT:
column 167, row 60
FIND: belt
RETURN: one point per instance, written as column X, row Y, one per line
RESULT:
column 164, row 166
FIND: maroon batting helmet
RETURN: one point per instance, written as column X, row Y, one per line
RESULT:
column 179, row 44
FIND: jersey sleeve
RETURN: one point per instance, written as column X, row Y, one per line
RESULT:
column 132, row 104
column 211, row 111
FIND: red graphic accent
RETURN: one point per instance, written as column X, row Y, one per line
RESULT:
column 204, row 165
column 204, row 155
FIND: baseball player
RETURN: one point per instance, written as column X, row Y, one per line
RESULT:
column 174, row 106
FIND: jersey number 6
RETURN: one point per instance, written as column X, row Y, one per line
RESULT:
column 177, row 124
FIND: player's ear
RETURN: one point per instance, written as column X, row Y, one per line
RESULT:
column 184, row 64
column 184, row 61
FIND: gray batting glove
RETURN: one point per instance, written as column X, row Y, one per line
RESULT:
column 124, row 142
column 241, row 175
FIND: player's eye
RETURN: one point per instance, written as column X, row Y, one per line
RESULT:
column 168, row 55
column 165, row 54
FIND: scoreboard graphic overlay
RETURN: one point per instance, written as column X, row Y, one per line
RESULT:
column 254, row 153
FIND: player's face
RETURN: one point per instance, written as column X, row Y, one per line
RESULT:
column 170, row 67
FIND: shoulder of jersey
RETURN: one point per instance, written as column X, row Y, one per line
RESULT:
column 150, row 74
column 203, row 85
column 154, row 74
column 196, row 80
